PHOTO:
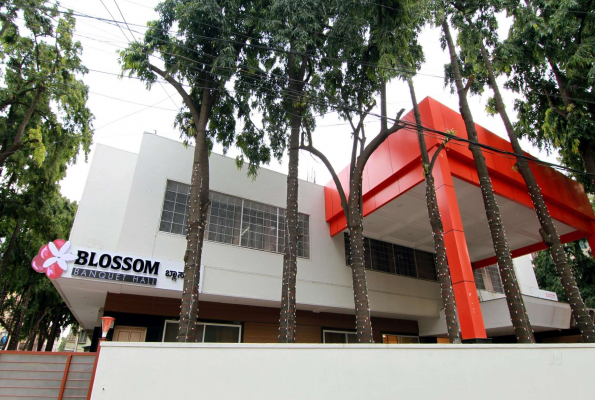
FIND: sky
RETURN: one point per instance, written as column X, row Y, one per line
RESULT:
column 125, row 108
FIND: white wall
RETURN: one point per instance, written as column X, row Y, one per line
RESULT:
column 186, row 371
column 102, row 208
column 324, row 281
column 525, row 274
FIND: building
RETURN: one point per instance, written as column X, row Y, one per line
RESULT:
column 128, row 238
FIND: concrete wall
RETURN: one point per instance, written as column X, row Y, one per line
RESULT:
column 324, row 281
column 102, row 207
column 183, row 371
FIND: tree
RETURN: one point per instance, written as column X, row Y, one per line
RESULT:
column 355, row 70
column 583, row 268
column 282, row 81
column 29, row 298
column 477, row 23
column 551, row 48
column 41, row 100
column 198, row 59
column 514, row 299
column 448, row 300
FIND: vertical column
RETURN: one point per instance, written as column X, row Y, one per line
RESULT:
column 461, row 272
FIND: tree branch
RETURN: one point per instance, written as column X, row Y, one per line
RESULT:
column 378, row 140
column 310, row 148
column 552, row 105
column 17, row 142
column 435, row 156
column 185, row 96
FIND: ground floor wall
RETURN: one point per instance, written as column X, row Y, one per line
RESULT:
column 259, row 324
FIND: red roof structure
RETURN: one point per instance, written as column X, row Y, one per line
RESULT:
column 395, row 168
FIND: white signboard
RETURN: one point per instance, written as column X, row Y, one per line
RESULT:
column 126, row 269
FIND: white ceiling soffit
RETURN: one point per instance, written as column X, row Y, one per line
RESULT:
column 404, row 221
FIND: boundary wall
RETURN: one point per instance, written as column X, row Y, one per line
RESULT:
column 275, row 371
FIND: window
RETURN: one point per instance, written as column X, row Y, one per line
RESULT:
column 339, row 336
column 233, row 220
column 206, row 332
column 493, row 274
column 426, row 265
column 224, row 219
column 399, row 339
column 259, row 226
column 174, row 217
column 394, row 259
column 478, row 276
column 489, row 279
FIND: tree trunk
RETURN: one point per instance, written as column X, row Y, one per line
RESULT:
column 514, row 299
column 34, row 329
column 566, row 95
column 199, row 203
column 588, row 159
column 18, row 321
column 54, row 332
column 42, row 335
column 18, row 140
column 287, row 318
column 448, row 300
column 9, row 248
column 355, row 221
column 287, row 312
column 548, row 229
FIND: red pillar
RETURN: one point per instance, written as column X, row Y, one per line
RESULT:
column 461, row 273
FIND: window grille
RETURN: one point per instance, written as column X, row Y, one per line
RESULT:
column 233, row 220
column 394, row 259
column 478, row 276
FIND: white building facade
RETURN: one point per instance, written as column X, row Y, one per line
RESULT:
column 129, row 238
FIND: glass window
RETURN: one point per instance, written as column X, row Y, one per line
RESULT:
column 399, row 339
column 478, row 276
column 392, row 258
column 405, row 260
column 223, row 223
column 205, row 332
column 493, row 274
column 339, row 337
column 382, row 257
column 426, row 265
column 221, row 333
column 233, row 220
column 259, row 226
column 174, row 216
column 170, row 332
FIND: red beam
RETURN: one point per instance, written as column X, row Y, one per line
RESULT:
column 569, row 237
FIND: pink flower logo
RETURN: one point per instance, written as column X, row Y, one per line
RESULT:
column 52, row 259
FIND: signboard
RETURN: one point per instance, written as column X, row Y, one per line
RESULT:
column 58, row 259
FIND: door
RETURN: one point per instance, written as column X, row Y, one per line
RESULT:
column 129, row 334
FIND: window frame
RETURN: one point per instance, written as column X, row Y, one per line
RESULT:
column 307, row 245
column 369, row 264
column 399, row 336
column 345, row 332
column 175, row 321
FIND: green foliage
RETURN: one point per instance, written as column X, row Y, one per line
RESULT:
column 583, row 267
column 201, row 44
column 41, row 55
column 37, row 55
column 551, row 45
